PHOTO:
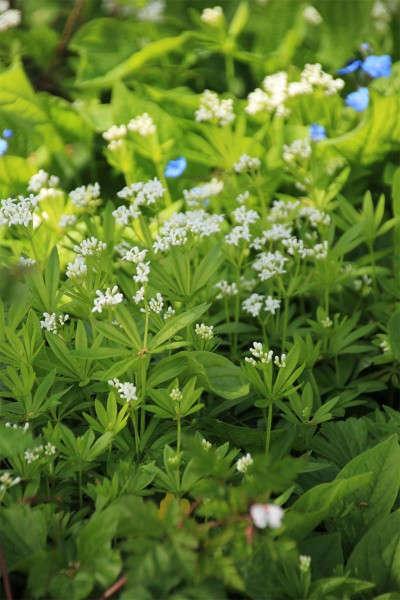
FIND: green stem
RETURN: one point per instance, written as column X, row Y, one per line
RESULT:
column 136, row 429
column 229, row 72
column 144, row 373
column 161, row 177
column 268, row 427
column 178, row 436
column 285, row 322
column 80, row 488
column 35, row 254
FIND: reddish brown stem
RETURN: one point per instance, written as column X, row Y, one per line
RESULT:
column 6, row 580
column 114, row 588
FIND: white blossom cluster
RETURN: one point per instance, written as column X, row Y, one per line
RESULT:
column 138, row 258
column 18, row 211
column 226, row 289
column 86, row 196
column 296, row 247
column 126, row 390
column 304, row 563
column 299, row 149
column 282, row 210
column 245, row 218
column 111, row 297
column 23, row 428
column 247, row 163
column 156, row 304
column 198, row 194
column 269, row 264
column 176, row 395
column 312, row 16
column 255, row 302
column 176, row 231
column 244, row 463
column 26, row 262
column 44, row 185
column 275, row 233
column 9, row 17
column 67, row 221
column 261, row 357
column 242, row 198
column 169, row 313
column 43, row 451
column 206, row 445
column 139, row 194
column 363, row 285
column 90, row 247
column 143, row 125
column 6, row 480
column 77, row 269
column 314, row 78
column 264, row 515
column 214, row 110
column 314, row 216
column 51, row 323
column 205, row 332
column 114, row 136
column 212, row 16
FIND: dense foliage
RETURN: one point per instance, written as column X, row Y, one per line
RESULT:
column 200, row 321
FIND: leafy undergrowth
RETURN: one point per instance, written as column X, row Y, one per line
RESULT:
column 200, row 322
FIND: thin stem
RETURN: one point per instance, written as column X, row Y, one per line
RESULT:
column 229, row 72
column 178, row 436
column 161, row 177
column 268, row 428
column 35, row 254
column 136, row 429
column 80, row 488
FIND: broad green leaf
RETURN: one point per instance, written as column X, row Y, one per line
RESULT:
column 13, row 441
column 15, row 173
column 52, row 277
column 375, row 499
column 175, row 324
column 318, row 503
column 394, row 333
column 217, row 374
column 23, row 533
column 377, row 555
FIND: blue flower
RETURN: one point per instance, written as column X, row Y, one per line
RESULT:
column 377, row 66
column 359, row 99
column 317, row 132
column 365, row 47
column 350, row 67
column 7, row 133
column 175, row 167
column 3, row 146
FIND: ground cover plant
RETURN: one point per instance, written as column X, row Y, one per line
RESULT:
column 200, row 318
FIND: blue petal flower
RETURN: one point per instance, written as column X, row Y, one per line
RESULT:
column 377, row 66
column 3, row 146
column 350, row 67
column 365, row 47
column 317, row 132
column 7, row 133
column 175, row 167
column 359, row 99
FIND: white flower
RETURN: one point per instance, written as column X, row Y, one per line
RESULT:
column 139, row 296
column 17, row 211
column 304, row 563
column 152, row 11
column 253, row 304
column 6, row 481
column 86, row 196
column 90, row 247
column 266, row 514
column 140, row 194
column 143, row 125
column 38, row 181
column 122, row 248
column 77, row 269
column 9, row 18
column 269, row 264
column 258, row 352
column 33, row 454
column 273, row 97
column 299, row 149
column 204, row 331
column 314, row 78
column 314, row 216
column 170, row 313
column 206, row 444
column 327, row 322
column 242, row 198
column 282, row 210
column 244, row 463
column 67, row 220
column 272, row 305
column 51, row 323
column 212, row 16
column 215, row 110
column 126, row 390
column 280, row 361
column 176, row 395
column 238, row 233
column 203, row 192
column 175, row 231
column 226, row 289
column 135, row 255
column 26, row 262
column 320, row 251
column 385, row 347
column 245, row 217
column 312, row 16
column 246, row 163
column 110, row 298
column 115, row 133
column 156, row 304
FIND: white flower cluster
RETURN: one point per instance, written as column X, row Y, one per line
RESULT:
column 264, row 515
column 111, row 297
column 176, row 395
column 44, row 184
column 215, row 110
column 77, row 269
column 26, row 262
column 264, row 357
column 275, row 233
column 139, row 194
column 282, row 210
column 18, row 211
column 176, row 231
column 245, row 218
column 86, row 196
column 114, row 136
column 90, row 247
column 6, row 481
column 156, row 304
column 255, row 302
column 51, row 323
column 244, row 463
column 8, row 17
column 205, row 332
column 212, row 16
column 269, row 264
column 296, row 247
column 242, row 198
column 143, row 125
column 43, row 451
column 23, row 428
column 198, row 194
column 67, row 221
column 126, row 390
column 137, row 257
column 226, row 289
column 314, row 216
column 299, row 149
column 314, row 78
column 304, row 563
column 206, row 445
column 169, row 313
column 152, row 11
column 363, row 285
column 312, row 16
column 247, row 163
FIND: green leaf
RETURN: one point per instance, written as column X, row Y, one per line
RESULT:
column 217, row 374
column 318, row 503
column 394, row 333
column 369, row 503
column 13, row 441
column 52, row 277
column 175, row 324
column 377, row 556
column 23, row 533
